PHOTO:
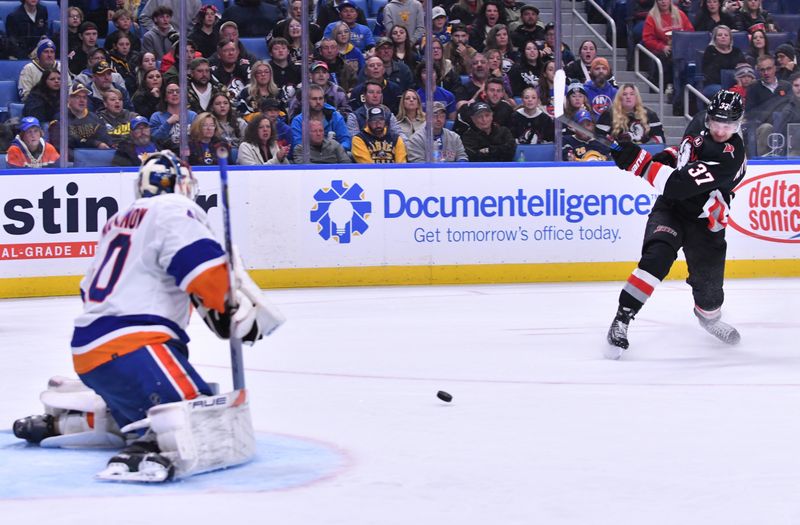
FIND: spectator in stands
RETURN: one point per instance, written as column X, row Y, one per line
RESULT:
column 410, row 116
column 529, row 30
column 579, row 68
column 272, row 110
column 97, row 12
column 641, row 8
column 293, row 33
column 95, row 57
column 745, row 77
column 550, row 45
column 490, row 14
column 785, row 60
column 401, row 45
column 285, row 73
column 261, row 86
column 546, row 85
column 205, row 33
column 147, row 97
column 629, row 120
column 788, row 112
column 394, row 69
column 375, row 71
column 530, row 124
column 341, row 72
column 260, row 145
column 86, row 130
column 43, row 99
column 599, row 92
column 29, row 149
column 495, row 63
column 762, row 97
column 116, row 118
column 296, row 13
column 373, row 97
column 230, row 31
column 458, row 50
column 335, row 125
column 440, row 93
column 157, row 40
column 439, row 27
column 581, row 147
column 165, row 122
column 485, row 140
column 201, row 87
column 408, row 13
column 450, row 80
column 134, row 150
column 575, row 101
column 334, row 95
column 229, row 69
column 465, row 12
column 25, row 26
column 147, row 14
column 87, row 33
column 352, row 56
column 526, row 73
column 720, row 54
column 254, row 18
column 375, row 144
column 205, row 141
column 328, row 12
column 752, row 17
column 147, row 62
column 513, row 12
column 124, row 60
column 101, row 82
column 447, row 145
column 74, row 21
column 759, row 47
column 170, row 62
column 360, row 34
column 322, row 150
column 711, row 15
column 498, row 39
column 32, row 72
column 231, row 125
column 663, row 19
column 473, row 89
column 123, row 21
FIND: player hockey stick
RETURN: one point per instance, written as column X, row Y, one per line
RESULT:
column 237, row 359
column 559, row 96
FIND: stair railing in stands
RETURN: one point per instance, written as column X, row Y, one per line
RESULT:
column 694, row 91
column 602, row 38
column 660, row 87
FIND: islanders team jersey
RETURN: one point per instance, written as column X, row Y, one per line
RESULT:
column 150, row 257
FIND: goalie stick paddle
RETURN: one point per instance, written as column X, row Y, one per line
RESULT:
column 559, row 97
column 237, row 360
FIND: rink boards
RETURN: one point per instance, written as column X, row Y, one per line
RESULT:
column 367, row 225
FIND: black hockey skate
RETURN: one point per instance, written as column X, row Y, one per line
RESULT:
column 618, row 333
column 140, row 462
column 34, row 429
column 714, row 326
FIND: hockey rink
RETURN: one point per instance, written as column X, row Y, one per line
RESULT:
column 541, row 429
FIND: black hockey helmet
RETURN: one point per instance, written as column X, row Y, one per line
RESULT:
column 725, row 106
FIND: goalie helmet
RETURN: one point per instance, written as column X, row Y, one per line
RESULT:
column 726, row 106
column 163, row 172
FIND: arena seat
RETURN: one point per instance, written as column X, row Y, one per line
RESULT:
column 3, row 163
column 6, row 8
column 535, row 152
column 773, row 7
column 741, row 40
column 8, row 94
column 10, row 69
column 375, row 6
column 15, row 109
column 89, row 157
column 685, row 45
column 257, row 46
column 361, row 4
column 788, row 23
column 53, row 11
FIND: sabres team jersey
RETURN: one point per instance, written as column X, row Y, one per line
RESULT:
column 150, row 257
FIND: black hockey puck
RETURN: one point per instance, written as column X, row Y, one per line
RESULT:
column 444, row 396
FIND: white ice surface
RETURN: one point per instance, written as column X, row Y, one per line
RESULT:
column 541, row 430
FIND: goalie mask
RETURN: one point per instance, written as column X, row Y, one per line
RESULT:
column 163, row 172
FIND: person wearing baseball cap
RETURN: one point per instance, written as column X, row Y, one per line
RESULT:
column 360, row 34
column 29, row 149
column 32, row 72
column 375, row 144
column 485, row 141
column 86, row 130
column 136, row 148
column 328, row 12
column 581, row 147
column 447, row 145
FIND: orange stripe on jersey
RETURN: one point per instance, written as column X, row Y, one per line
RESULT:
column 175, row 371
column 115, row 348
column 212, row 287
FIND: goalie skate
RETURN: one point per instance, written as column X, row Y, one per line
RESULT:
column 139, row 463
column 711, row 323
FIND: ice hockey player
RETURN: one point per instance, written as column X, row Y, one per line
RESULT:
column 137, row 387
column 695, row 183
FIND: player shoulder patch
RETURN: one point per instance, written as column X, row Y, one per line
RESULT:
column 697, row 141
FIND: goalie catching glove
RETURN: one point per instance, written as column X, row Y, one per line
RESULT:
column 253, row 318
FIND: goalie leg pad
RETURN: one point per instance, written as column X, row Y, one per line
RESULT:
column 205, row 434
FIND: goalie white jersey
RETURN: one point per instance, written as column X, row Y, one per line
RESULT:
column 150, row 257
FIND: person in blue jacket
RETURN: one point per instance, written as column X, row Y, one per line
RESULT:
column 332, row 120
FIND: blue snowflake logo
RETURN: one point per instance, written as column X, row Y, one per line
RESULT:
column 340, row 211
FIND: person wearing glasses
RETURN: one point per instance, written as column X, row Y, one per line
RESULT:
column 166, row 129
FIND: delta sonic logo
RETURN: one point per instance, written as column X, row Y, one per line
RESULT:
column 341, row 212
column 767, row 207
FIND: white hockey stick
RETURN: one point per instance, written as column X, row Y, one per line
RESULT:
column 237, row 360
